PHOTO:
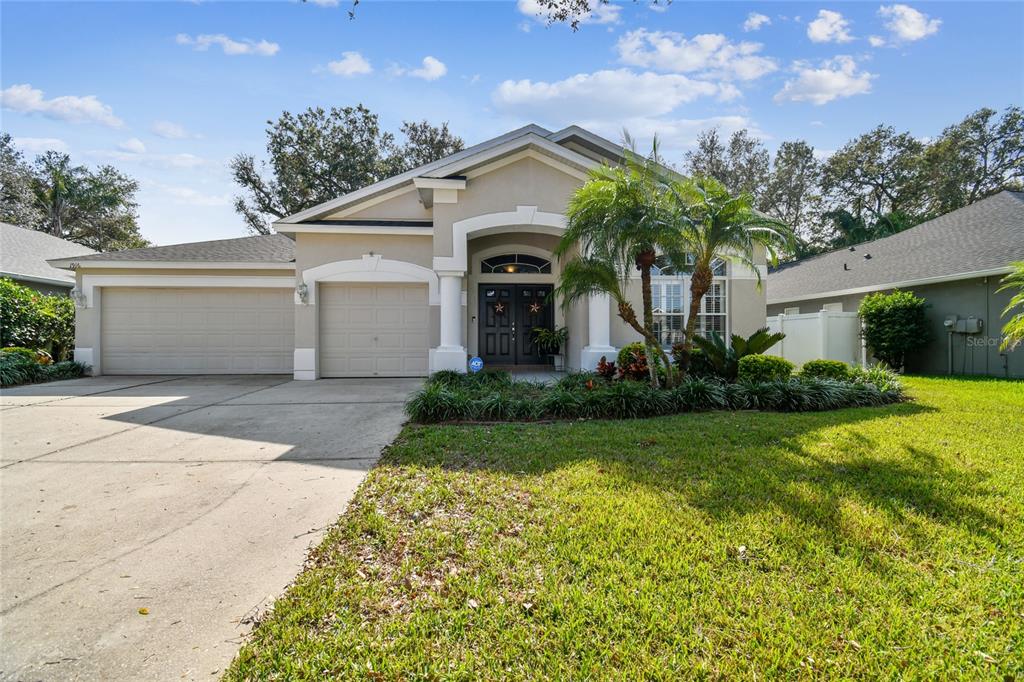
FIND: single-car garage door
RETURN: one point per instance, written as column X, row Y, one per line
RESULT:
column 373, row 330
column 197, row 331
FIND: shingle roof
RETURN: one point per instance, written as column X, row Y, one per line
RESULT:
column 271, row 248
column 984, row 236
column 24, row 252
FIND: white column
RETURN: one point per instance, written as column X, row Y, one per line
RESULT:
column 451, row 354
column 599, row 328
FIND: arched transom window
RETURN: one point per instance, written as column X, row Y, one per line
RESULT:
column 513, row 263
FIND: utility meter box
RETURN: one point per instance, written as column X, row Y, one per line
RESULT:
column 970, row 325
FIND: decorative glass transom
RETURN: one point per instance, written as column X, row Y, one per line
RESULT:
column 512, row 263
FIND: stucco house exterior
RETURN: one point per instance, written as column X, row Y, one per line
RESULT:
column 23, row 256
column 407, row 276
column 955, row 262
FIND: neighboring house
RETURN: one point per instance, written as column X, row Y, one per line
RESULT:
column 404, row 277
column 955, row 262
column 23, row 256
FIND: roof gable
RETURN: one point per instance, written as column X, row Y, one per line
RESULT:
column 528, row 137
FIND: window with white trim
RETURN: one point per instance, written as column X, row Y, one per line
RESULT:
column 670, row 296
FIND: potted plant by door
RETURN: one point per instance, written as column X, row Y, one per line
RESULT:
column 552, row 341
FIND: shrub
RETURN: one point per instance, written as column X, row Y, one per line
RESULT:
column 879, row 376
column 825, row 369
column 605, row 369
column 723, row 359
column 761, row 368
column 633, row 362
column 894, row 325
column 33, row 320
column 20, row 367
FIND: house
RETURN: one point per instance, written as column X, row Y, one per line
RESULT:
column 404, row 277
column 955, row 262
column 23, row 256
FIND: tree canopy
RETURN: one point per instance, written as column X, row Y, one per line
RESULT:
column 95, row 208
column 321, row 154
column 877, row 184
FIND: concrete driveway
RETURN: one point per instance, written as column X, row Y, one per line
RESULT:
column 194, row 498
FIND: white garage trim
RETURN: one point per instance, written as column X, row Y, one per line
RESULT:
column 90, row 282
column 372, row 268
column 529, row 216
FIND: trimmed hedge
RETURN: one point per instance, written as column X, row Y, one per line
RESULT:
column 455, row 397
column 761, row 368
column 826, row 369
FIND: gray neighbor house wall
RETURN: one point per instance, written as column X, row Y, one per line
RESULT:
column 955, row 262
column 972, row 353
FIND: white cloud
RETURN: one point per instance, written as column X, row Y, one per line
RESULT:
column 170, row 130
column 600, row 14
column 431, row 70
column 829, row 27
column 40, row 145
column 908, row 24
column 818, row 124
column 351, row 64
column 181, row 161
column 29, row 100
column 228, row 45
column 615, row 94
column 133, row 146
column 658, row 6
column 833, row 79
column 192, row 197
column 756, row 22
column 710, row 54
column 876, row 41
column 324, row 3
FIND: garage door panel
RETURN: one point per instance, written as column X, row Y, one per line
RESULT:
column 373, row 329
column 197, row 331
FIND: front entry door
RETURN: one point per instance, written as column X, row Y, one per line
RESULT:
column 508, row 314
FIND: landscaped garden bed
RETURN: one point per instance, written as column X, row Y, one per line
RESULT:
column 495, row 396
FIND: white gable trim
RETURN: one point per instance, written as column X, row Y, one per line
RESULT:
column 72, row 264
column 524, row 216
column 572, row 171
column 371, row 269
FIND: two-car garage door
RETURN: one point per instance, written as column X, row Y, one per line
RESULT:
column 197, row 331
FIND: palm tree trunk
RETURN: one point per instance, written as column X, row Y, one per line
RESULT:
column 700, row 283
column 628, row 315
column 644, row 261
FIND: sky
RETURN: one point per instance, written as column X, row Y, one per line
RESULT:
column 169, row 92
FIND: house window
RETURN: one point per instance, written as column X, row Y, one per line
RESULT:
column 670, row 296
column 516, row 263
column 832, row 307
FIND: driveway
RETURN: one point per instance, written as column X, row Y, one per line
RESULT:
column 144, row 521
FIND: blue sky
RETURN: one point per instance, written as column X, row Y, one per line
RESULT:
column 170, row 91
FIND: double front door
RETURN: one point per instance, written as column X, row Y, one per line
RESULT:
column 508, row 315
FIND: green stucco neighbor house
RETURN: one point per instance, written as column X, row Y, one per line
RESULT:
column 955, row 262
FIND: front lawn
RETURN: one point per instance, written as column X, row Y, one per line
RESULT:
column 873, row 542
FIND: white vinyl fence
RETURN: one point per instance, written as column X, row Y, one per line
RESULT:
column 818, row 336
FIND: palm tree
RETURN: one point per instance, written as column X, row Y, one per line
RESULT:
column 617, row 223
column 715, row 224
column 1013, row 330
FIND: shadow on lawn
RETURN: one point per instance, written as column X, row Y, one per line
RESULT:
column 807, row 466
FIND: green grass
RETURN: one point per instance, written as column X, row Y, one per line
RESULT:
column 864, row 543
